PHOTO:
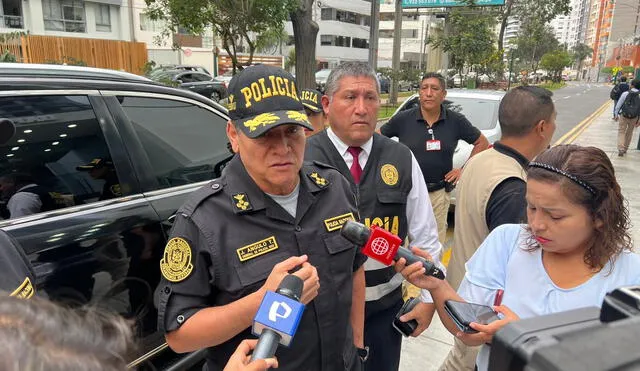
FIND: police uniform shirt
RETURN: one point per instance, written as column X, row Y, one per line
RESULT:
column 17, row 278
column 413, row 131
column 226, row 240
column 421, row 224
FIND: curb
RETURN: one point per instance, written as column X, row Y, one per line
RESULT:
column 577, row 130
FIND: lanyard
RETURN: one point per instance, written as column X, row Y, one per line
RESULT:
column 430, row 131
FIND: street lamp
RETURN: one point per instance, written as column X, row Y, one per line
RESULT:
column 512, row 51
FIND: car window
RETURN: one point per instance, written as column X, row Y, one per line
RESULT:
column 185, row 77
column 480, row 112
column 57, row 157
column 201, row 77
column 185, row 143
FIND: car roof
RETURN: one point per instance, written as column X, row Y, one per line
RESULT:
column 46, row 70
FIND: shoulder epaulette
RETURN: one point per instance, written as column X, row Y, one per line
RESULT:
column 198, row 196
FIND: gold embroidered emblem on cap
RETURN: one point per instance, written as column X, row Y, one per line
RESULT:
column 257, row 248
column 261, row 120
column 176, row 262
column 231, row 106
column 24, row 291
column 318, row 179
column 116, row 190
column 298, row 116
column 242, row 204
column 336, row 222
column 389, row 174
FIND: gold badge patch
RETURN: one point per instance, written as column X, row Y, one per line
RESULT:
column 322, row 182
column 389, row 174
column 298, row 116
column 257, row 248
column 25, row 290
column 242, row 202
column 176, row 263
column 264, row 119
column 336, row 222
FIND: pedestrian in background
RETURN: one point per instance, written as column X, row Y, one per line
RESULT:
column 627, row 112
column 432, row 132
column 616, row 92
column 312, row 101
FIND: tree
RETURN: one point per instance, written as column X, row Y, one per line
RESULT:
column 555, row 62
column 290, row 61
column 580, row 52
column 235, row 21
column 471, row 40
column 535, row 40
column 305, row 32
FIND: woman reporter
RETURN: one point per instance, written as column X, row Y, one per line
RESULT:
column 574, row 249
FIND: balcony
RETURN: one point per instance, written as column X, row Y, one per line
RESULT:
column 11, row 21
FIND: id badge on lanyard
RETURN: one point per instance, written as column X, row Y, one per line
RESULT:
column 433, row 144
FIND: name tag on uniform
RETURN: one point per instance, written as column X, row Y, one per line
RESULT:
column 257, row 248
column 433, row 145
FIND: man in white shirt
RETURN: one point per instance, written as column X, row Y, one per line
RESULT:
column 392, row 194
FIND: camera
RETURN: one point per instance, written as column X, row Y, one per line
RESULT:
column 581, row 339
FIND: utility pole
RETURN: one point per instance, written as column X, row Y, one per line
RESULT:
column 373, row 34
column 445, row 55
column 395, row 61
column 421, row 47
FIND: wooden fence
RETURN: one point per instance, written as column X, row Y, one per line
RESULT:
column 112, row 54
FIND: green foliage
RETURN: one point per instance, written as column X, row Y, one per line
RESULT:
column 400, row 75
column 471, row 40
column 555, row 62
column 541, row 10
column 271, row 39
column 290, row 60
column 235, row 21
column 148, row 67
column 581, row 51
column 607, row 70
column 536, row 39
column 7, row 57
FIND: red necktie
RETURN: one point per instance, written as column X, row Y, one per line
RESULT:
column 356, row 170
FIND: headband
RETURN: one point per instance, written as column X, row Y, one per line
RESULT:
column 575, row 179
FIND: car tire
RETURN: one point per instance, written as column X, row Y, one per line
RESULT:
column 215, row 96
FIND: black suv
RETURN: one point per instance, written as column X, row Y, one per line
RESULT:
column 113, row 156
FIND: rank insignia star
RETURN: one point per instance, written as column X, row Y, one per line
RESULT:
column 241, row 202
column 320, row 181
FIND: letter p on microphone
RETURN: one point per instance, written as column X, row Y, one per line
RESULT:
column 280, row 314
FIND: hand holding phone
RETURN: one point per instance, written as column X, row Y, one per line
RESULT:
column 463, row 314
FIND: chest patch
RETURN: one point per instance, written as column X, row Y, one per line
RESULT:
column 176, row 262
column 256, row 249
column 389, row 174
column 25, row 290
column 336, row 222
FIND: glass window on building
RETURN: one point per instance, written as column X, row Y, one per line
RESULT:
column 64, row 15
column 148, row 24
column 103, row 18
column 326, row 14
column 360, row 43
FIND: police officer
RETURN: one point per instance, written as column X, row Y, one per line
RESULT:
column 312, row 101
column 268, row 214
column 392, row 195
column 103, row 169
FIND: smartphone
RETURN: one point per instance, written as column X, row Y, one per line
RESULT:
column 463, row 314
column 406, row 328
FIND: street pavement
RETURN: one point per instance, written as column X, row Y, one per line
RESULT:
column 426, row 352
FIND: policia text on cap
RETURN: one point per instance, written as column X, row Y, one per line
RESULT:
column 268, row 214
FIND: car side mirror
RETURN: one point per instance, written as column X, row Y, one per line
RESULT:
column 7, row 130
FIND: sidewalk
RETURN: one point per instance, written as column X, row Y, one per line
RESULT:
column 426, row 352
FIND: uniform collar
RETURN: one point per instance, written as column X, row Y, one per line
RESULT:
column 508, row 151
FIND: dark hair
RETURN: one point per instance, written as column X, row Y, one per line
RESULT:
column 522, row 108
column 623, row 79
column 349, row 69
column 435, row 75
column 38, row 335
column 635, row 83
column 593, row 167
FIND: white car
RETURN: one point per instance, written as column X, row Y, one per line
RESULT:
column 481, row 109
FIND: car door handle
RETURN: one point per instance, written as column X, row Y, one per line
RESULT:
column 171, row 219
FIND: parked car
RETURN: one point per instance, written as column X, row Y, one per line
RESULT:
column 321, row 79
column 481, row 109
column 159, row 145
column 196, row 82
column 181, row 67
column 225, row 77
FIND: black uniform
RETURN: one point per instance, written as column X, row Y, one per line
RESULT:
column 17, row 276
column 111, row 188
column 383, row 190
column 226, row 240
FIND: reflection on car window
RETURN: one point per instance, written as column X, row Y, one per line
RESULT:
column 185, row 143
column 480, row 112
column 46, row 164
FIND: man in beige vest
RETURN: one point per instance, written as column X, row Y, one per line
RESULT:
column 492, row 188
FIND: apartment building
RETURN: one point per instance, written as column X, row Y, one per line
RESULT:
column 416, row 28
column 578, row 22
column 624, row 32
column 561, row 25
column 343, row 31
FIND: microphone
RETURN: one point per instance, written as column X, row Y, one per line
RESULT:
column 384, row 247
column 278, row 317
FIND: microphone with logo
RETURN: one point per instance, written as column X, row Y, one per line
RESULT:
column 278, row 317
column 384, row 247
